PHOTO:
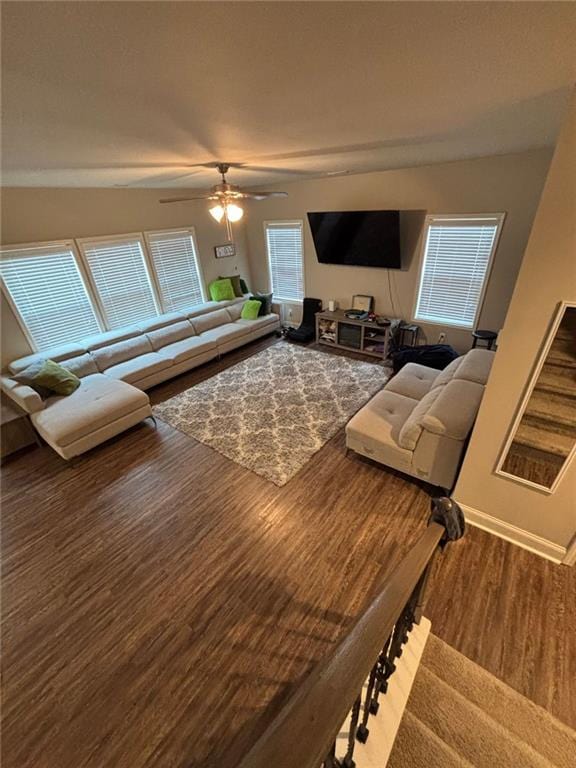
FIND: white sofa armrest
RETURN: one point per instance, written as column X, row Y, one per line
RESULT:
column 24, row 396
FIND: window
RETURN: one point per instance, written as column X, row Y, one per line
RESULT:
column 458, row 251
column 118, row 269
column 175, row 260
column 46, row 287
column 285, row 259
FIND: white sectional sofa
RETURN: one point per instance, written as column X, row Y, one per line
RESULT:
column 117, row 366
column 420, row 421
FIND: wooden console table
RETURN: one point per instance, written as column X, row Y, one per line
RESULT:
column 334, row 329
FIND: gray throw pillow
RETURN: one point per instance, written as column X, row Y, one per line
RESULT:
column 266, row 300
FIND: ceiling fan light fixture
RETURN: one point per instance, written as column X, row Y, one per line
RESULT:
column 234, row 212
column 217, row 212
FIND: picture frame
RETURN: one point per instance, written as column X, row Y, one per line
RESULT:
column 362, row 302
column 224, row 251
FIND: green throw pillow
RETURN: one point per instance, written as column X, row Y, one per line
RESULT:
column 250, row 310
column 48, row 378
column 235, row 280
column 221, row 290
column 266, row 299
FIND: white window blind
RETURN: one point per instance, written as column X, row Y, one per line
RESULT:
column 285, row 259
column 457, row 254
column 121, row 278
column 47, row 289
column 175, row 261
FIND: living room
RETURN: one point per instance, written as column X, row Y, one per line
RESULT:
column 176, row 506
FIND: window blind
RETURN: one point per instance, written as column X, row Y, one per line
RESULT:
column 48, row 291
column 121, row 277
column 457, row 255
column 285, row 259
column 175, row 261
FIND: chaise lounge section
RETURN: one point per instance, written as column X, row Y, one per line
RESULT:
column 420, row 422
column 116, row 367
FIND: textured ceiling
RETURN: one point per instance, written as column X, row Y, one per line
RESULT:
column 112, row 93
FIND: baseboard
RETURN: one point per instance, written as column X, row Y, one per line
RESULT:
column 508, row 532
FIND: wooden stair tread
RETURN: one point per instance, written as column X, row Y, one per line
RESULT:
column 557, row 380
column 543, row 440
column 557, row 409
column 562, row 352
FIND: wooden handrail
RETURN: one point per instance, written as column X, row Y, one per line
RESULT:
column 306, row 727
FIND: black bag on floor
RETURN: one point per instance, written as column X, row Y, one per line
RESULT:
column 432, row 355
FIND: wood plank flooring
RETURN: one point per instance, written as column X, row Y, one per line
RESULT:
column 160, row 602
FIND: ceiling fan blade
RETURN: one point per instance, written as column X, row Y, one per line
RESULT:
column 186, row 199
column 261, row 195
column 266, row 169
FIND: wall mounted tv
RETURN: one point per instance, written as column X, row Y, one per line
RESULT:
column 357, row 238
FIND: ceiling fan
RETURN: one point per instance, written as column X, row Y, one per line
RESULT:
column 226, row 198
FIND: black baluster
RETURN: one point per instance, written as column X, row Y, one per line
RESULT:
column 363, row 731
column 380, row 678
column 348, row 760
column 331, row 761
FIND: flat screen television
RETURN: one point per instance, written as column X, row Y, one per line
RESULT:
column 357, row 238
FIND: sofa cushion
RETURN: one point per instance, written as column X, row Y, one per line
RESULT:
column 106, row 357
column 234, row 311
column 169, row 334
column 413, row 380
column 476, row 366
column 186, row 348
column 139, row 367
column 83, row 365
column 211, row 320
column 196, row 310
column 413, row 426
column 107, row 338
column 382, row 418
column 98, row 401
column 454, row 411
column 161, row 321
column 56, row 353
column 225, row 333
column 259, row 322
column 448, row 373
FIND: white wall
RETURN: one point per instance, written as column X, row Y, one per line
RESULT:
column 509, row 183
column 547, row 275
column 37, row 215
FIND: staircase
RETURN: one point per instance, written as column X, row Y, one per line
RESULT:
column 547, row 432
column 460, row 715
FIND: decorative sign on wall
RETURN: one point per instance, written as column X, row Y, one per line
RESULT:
column 222, row 251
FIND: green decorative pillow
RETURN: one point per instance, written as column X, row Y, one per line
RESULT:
column 235, row 280
column 266, row 300
column 250, row 310
column 221, row 290
column 48, row 378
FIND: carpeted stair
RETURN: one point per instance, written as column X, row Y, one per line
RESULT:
column 460, row 715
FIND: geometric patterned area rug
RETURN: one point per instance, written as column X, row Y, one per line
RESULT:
column 273, row 411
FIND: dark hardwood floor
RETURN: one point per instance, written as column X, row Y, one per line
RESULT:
column 160, row 602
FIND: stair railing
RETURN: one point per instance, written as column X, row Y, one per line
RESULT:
column 303, row 734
